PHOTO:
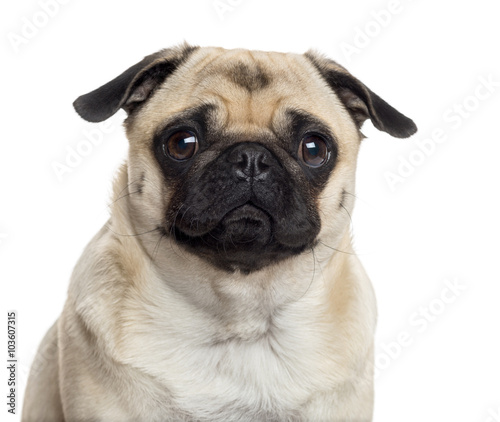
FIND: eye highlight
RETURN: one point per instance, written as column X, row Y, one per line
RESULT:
column 181, row 145
column 313, row 151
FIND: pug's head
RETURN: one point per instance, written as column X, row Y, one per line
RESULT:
column 243, row 158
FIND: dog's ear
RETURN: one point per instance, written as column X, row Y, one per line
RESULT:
column 360, row 101
column 132, row 87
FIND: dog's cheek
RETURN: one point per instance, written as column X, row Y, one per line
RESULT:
column 336, row 203
column 149, row 195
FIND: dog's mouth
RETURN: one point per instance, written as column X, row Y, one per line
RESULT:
column 243, row 239
column 245, row 224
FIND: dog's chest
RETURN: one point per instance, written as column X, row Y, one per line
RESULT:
column 266, row 379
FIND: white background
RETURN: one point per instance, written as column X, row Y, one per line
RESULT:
column 438, row 223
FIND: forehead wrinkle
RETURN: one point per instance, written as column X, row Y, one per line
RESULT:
column 251, row 116
column 206, row 63
column 251, row 78
column 221, row 107
column 261, row 108
column 279, row 114
column 240, row 68
column 236, row 106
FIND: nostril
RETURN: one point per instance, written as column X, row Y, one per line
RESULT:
column 244, row 161
column 262, row 166
column 235, row 157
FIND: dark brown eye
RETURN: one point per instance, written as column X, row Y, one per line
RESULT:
column 313, row 151
column 181, row 145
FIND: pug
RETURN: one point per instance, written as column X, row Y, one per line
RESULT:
column 224, row 286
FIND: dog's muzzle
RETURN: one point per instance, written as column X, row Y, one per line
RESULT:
column 244, row 211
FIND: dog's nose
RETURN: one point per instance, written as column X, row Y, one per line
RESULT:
column 251, row 160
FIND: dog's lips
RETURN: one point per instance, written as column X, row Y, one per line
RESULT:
column 246, row 211
column 246, row 223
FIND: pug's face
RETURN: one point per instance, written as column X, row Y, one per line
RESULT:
column 242, row 158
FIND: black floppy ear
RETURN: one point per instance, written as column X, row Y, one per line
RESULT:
column 361, row 102
column 132, row 87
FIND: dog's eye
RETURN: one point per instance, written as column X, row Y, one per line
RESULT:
column 313, row 151
column 181, row 145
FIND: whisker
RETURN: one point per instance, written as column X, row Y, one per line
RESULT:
column 173, row 234
column 175, row 247
column 127, row 186
column 352, row 194
column 157, row 246
column 335, row 249
column 183, row 214
column 357, row 197
column 131, row 235
column 327, row 196
column 334, row 194
column 124, row 196
column 348, row 213
column 312, row 278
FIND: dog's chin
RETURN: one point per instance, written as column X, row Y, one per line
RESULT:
column 242, row 240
